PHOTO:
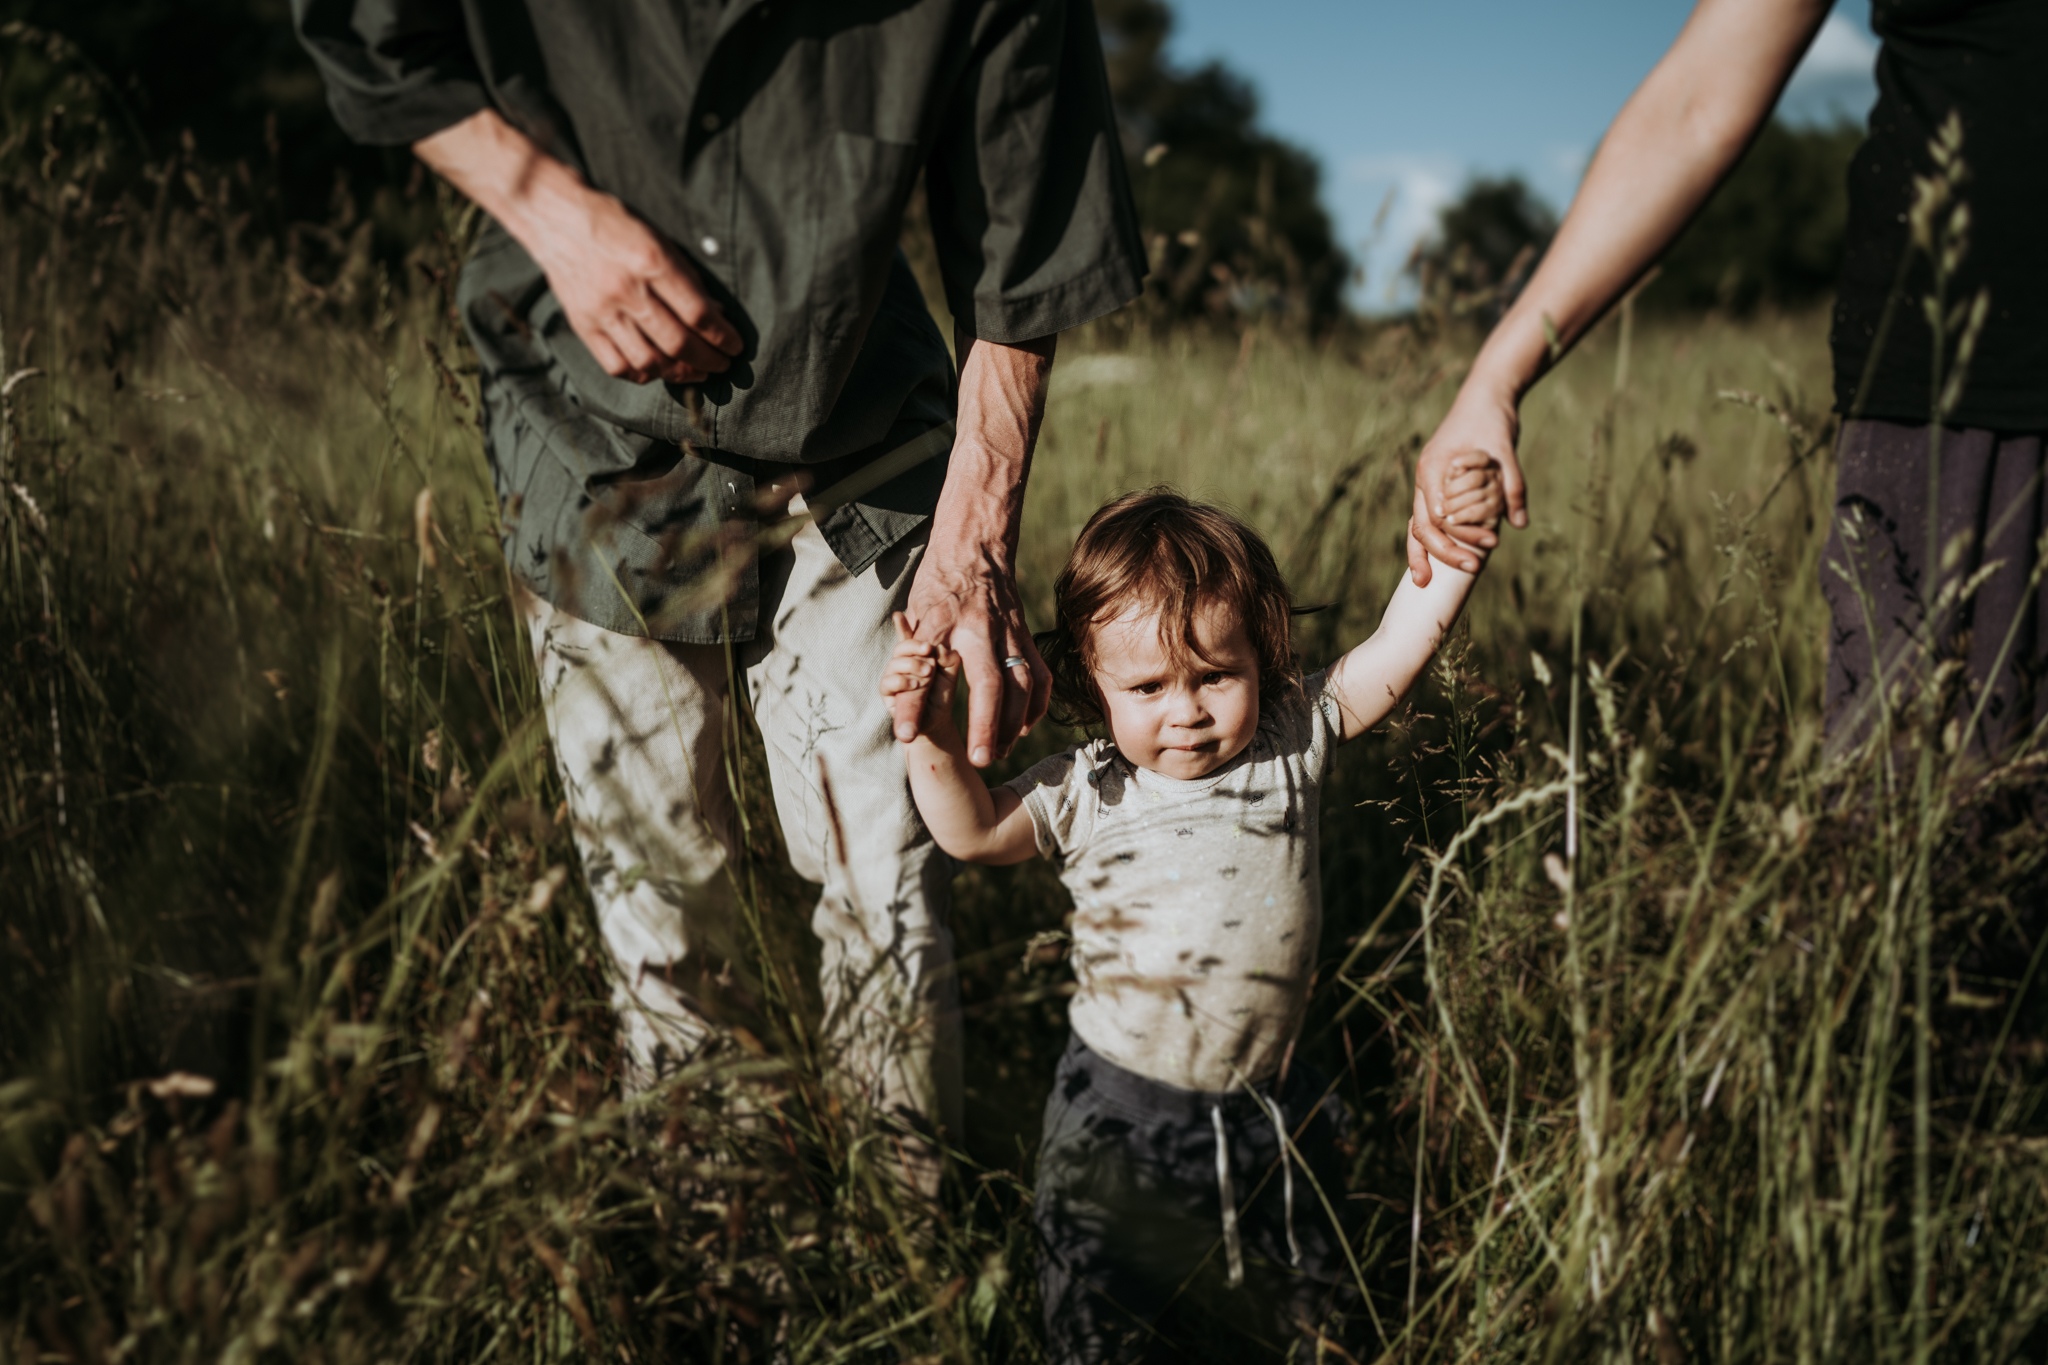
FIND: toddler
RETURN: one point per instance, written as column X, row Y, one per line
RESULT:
column 1187, row 838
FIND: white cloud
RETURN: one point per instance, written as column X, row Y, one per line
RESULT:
column 1836, row 78
column 1839, row 49
column 1405, row 191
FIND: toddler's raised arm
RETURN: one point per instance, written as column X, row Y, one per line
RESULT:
column 1370, row 680
column 969, row 821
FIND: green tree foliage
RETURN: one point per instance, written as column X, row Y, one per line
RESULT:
column 1772, row 236
column 227, row 75
column 1233, row 217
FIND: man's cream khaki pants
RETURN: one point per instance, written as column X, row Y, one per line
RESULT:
column 641, row 732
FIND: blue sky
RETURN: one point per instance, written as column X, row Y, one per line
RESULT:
column 1410, row 98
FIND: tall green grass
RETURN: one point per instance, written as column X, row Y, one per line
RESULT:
column 302, row 1011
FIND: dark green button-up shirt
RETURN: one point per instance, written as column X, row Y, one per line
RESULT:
column 776, row 143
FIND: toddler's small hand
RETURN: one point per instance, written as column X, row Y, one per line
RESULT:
column 920, row 666
column 1473, row 494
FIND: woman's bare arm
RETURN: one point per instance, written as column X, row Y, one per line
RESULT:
column 1673, row 142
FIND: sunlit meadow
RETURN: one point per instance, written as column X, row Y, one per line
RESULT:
column 1663, row 1042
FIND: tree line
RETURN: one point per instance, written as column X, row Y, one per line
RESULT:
column 1233, row 215
column 1771, row 237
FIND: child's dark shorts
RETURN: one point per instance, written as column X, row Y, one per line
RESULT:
column 1134, row 1259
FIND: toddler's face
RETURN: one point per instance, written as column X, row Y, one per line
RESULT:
column 1182, row 720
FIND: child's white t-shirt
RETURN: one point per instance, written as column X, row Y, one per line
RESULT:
column 1197, row 904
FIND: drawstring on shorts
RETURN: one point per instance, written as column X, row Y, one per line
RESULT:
column 1279, row 1117
column 1233, row 1249
column 1233, row 1246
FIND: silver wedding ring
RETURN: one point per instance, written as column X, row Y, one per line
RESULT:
column 1016, row 661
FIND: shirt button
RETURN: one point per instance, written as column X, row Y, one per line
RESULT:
column 710, row 246
column 709, row 123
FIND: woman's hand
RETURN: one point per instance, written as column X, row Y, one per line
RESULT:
column 1673, row 142
column 1474, row 496
column 1479, row 431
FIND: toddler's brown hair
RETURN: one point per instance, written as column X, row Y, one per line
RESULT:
column 1162, row 550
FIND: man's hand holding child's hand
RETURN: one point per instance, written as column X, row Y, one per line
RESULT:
column 921, row 666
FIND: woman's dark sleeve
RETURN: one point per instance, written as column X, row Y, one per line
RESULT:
column 396, row 70
column 1031, row 205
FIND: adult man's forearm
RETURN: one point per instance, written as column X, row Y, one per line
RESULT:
column 509, row 177
column 1002, row 401
column 965, row 595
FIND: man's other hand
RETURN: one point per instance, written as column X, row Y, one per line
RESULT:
column 638, row 305
column 634, row 300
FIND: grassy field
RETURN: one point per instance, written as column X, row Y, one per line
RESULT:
column 1663, row 1043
